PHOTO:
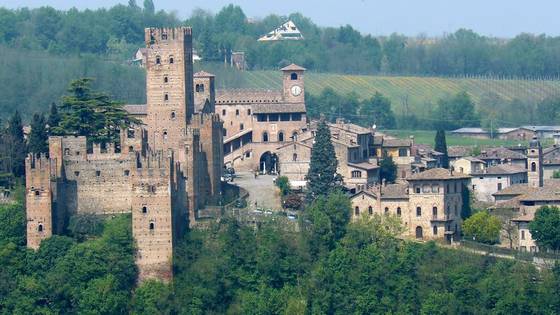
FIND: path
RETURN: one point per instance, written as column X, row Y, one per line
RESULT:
column 261, row 189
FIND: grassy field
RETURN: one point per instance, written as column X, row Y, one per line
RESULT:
column 427, row 137
column 418, row 92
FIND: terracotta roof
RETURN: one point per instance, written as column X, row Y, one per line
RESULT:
column 278, row 108
column 350, row 127
column 247, row 96
column 364, row 165
column 394, row 191
column 293, row 67
column 437, row 174
column 393, row 142
column 500, row 153
column 458, row 151
column 524, row 218
column 203, row 74
column 473, row 159
column 516, row 190
column 136, row 109
column 501, row 169
column 542, row 194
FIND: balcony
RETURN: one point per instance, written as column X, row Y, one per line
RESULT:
column 441, row 218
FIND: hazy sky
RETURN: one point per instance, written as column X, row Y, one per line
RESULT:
column 502, row 18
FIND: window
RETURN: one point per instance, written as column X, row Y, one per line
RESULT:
column 76, row 173
column 173, row 115
column 294, row 157
column 166, row 97
column 399, row 211
column 164, row 36
column 356, row 174
column 418, row 211
column 130, row 149
column 281, row 136
column 370, row 210
column 237, row 112
column 296, row 117
column 435, row 230
column 241, row 126
column 126, row 172
column 533, row 167
column 97, row 173
column 40, row 228
column 434, row 211
column 144, row 209
column 294, row 136
column 165, row 79
column 224, row 132
column 403, row 152
column 158, row 60
column 426, row 188
column 249, row 111
column 417, row 189
column 152, row 226
column 386, row 210
column 130, row 133
column 265, row 137
column 66, row 151
column 522, row 234
column 171, row 60
column 419, row 232
column 165, row 135
column 37, row 192
column 223, row 112
column 293, row 76
column 357, row 211
column 499, row 186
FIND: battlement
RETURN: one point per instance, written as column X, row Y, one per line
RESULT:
column 154, row 35
column 200, row 119
column 37, row 162
column 157, row 160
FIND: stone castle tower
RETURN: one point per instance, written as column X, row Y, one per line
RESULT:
column 204, row 92
column 164, row 171
column 169, row 85
column 535, row 163
column 292, row 84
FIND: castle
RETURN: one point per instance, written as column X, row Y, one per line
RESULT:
column 163, row 172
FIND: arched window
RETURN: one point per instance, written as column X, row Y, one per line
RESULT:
column 165, row 135
column 37, row 192
column 265, row 137
column 533, row 167
column 237, row 112
column 40, row 228
column 418, row 211
column 294, row 135
column 294, row 157
column 171, row 60
column 158, row 60
column 357, row 210
column 166, row 97
column 399, row 211
column 435, row 230
column 386, row 210
column 144, row 209
column 249, row 111
column 241, row 126
column 370, row 210
column 293, row 76
column 165, row 79
column 130, row 149
column 152, row 225
column 419, row 234
column 434, row 211
column 281, row 137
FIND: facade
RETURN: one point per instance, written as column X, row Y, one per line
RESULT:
column 490, row 180
column 429, row 203
column 469, row 165
column 163, row 172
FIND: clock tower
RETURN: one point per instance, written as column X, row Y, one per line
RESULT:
column 292, row 84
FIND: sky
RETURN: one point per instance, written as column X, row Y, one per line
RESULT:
column 500, row 18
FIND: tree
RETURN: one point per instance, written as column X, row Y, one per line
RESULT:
column 54, row 117
column 149, row 7
column 466, row 209
column 284, row 184
column 12, row 228
column 38, row 138
column 388, row 170
column 322, row 177
column 92, row 114
column 15, row 145
column 152, row 297
column 545, row 227
column 483, row 227
column 456, row 112
column 377, row 110
column 441, row 146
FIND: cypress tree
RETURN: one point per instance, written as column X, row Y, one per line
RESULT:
column 322, row 176
column 388, row 170
column 441, row 146
column 15, row 145
column 38, row 138
column 54, row 117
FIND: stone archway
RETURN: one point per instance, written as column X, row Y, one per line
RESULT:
column 268, row 163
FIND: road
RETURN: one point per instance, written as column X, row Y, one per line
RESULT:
column 261, row 190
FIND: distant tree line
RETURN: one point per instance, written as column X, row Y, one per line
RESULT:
column 116, row 32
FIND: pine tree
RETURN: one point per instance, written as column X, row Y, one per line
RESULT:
column 388, row 170
column 322, row 177
column 54, row 117
column 38, row 138
column 441, row 146
column 149, row 7
column 15, row 145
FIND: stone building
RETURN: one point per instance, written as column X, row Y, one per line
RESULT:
column 256, row 122
column 162, row 171
column 429, row 203
column 490, row 180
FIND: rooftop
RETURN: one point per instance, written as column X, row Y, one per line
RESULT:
column 458, row 151
column 248, row 96
column 500, row 153
column 203, row 74
column 136, row 109
column 279, row 108
column 437, row 174
column 501, row 169
column 293, row 67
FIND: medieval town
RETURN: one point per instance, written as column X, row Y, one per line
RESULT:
column 201, row 160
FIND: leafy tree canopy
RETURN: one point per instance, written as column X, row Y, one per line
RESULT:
column 545, row 227
column 483, row 227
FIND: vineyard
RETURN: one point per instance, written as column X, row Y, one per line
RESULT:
column 416, row 92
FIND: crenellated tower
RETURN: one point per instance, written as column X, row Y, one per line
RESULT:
column 169, row 85
column 204, row 92
column 38, row 199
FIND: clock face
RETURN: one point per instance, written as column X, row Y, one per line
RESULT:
column 296, row 90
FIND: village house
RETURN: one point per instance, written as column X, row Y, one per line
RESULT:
column 487, row 181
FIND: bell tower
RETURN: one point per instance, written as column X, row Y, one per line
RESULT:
column 535, row 163
column 292, row 84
